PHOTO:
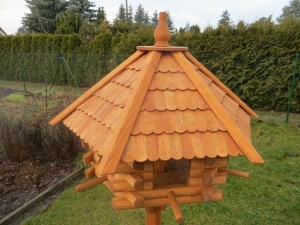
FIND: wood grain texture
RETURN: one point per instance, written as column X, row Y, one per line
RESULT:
column 244, row 144
column 119, row 139
column 96, row 87
column 219, row 83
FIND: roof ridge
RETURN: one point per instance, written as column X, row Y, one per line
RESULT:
column 234, row 131
column 220, row 83
column 118, row 140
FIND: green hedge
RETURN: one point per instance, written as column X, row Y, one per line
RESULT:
column 256, row 61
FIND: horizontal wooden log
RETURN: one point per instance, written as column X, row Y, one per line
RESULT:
column 193, row 173
column 207, row 192
column 219, row 178
column 175, row 206
column 220, row 162
column 234, row 172
column 178, row 191
column 123, row 186
column 208, row 175
column 133, row 179
column 159, row 166
column 123, row 203
column 90, row 172
column 123, row 167
column 135, row 199
column 91, row 183
column 147, row 176
column 87, row 158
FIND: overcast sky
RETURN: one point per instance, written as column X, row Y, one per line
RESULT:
column 201, row 12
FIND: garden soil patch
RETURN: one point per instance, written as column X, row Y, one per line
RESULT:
column 22, row 181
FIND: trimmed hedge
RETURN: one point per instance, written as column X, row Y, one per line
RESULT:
column 256, row 61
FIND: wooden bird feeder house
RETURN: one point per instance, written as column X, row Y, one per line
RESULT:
column 160, row 129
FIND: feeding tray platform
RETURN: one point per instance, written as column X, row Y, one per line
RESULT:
column 160, row 129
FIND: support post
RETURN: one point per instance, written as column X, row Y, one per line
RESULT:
column 153, row 216
column 22, row 70
column 292, row 88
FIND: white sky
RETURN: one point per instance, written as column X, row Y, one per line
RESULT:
column 201, row 12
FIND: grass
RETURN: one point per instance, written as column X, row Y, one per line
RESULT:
column 270, row 196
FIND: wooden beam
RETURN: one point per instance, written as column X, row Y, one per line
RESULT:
column 147, row 176
column 122, row 203
column 90, row 172
column 220, row 84
column 135, row 199
column 88, row 157
column 179, row 191
column 230, row 125
column 119, row 138
column 207, row 163
column 175, row 206
column 219, row 178
column 96, row 87
column 208, row 175
column 91, row 183
column 133, row 179
column 153, row 216
column 123, row 167
column 123, row 186
column 234, row 172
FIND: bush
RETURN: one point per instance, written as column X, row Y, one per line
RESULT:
column 20, row 142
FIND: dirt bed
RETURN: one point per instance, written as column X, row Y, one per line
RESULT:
column 22, row 181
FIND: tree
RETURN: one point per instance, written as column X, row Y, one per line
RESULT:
column 154, row 19
column 43, row 15
column 21, row 30
column 83, row 8
column 121, row 13
column 68, row 23
column 101, row 15
column 141, row 17
column 170, row 22
column 292, row 10
column 130, row 14
column 225, row 20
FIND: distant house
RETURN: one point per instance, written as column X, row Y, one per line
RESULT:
column 2, row 32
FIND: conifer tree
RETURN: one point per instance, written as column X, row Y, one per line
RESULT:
column 290, row 11
column 43, row 15
column 83, row 8
column 121, row 13
column 154, row 19
column 170, row 22
column 225, row 20
column 141, row 16
column 101, row 15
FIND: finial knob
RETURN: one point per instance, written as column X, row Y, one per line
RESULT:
column 162, row 33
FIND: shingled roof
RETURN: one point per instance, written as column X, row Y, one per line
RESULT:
column 160, row 103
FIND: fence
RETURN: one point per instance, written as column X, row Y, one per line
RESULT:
column 263, row 82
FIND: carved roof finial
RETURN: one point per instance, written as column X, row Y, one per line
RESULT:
column 162, row 33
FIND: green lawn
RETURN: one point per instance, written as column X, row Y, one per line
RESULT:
column 270, row 196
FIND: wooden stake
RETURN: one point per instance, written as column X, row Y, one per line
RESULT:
column 234, row 172
column 91, row 183
column 175, row 206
